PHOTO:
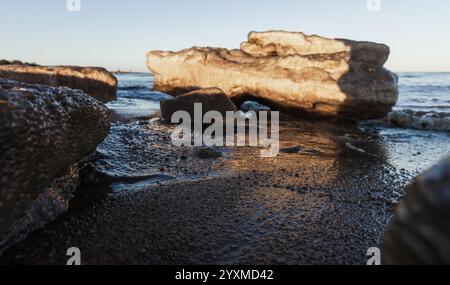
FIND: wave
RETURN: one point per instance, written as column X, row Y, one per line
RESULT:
column 134, row 88
column 417, row 88
column 141, row 92
column 419, row 120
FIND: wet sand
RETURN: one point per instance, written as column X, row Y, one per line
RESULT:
column 146, row 202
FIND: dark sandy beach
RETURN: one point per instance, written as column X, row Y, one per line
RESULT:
column 146, row 202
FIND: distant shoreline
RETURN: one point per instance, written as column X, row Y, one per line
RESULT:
column 129, row 72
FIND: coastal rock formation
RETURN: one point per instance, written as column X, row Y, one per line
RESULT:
column 212, row 99
column 289, row 72
column 45, row 135
column 420, row 231
column 15, row 62
column 95, row 81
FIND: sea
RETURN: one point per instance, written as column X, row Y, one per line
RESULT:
column 414, row 136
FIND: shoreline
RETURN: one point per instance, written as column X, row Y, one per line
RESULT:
column 325, row 199
column 230, row 210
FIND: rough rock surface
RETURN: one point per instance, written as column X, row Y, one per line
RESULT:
column 420, row 231
column 280, row 43
column 290, row 72
column 212, row 99
column 45, row 135
column 95, row 81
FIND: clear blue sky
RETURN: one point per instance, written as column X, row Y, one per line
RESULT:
column 118, row 33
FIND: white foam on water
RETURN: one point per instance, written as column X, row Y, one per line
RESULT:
column 420, row 120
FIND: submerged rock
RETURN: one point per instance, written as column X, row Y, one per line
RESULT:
column 207, row 153
column 250, row 106
column 45, row 135
column 290, row 72
column 291, row 150
column 95, row 81
column 212, row 99
column 420, row 231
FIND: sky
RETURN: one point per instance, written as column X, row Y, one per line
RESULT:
column 117, row 34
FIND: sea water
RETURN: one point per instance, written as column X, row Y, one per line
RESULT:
column 415, row 135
